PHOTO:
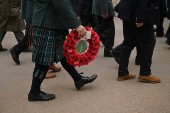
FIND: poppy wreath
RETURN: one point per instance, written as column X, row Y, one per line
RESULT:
column 78, row 51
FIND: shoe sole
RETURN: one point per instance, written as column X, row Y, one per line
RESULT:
column 146, row 81
column 125, row 79
column 13, row 57
column 32, row 100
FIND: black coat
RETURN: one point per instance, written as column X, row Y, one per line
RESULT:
column 162, row 8
column 85, row 7
column 139, row 11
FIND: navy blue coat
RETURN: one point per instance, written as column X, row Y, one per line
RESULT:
column 85, row 7
column 139, row 11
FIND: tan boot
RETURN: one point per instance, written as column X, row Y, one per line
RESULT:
column 54, row 68
column 50, row 75
column 130, row 76
column 149, row 79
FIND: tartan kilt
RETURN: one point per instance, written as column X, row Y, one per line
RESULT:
column 48, row 46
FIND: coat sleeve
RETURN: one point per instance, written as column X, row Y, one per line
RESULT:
column 104, row 6
column 66, row 11
column 141, row 10
column 5, row 8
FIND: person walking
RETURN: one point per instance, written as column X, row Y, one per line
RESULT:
column 10, row 20
column 104, row 11
column 50, row 21
column 138, row 19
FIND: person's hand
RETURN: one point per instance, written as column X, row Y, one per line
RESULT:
column 81, row 31
column 139, row 24
column 105, row 16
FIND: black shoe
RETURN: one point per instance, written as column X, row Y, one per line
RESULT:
column 40, row 96
column 85, row 80
column 15, row 56
column 3, row 49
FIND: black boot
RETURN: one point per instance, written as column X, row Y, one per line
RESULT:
column 15, row 56
column 85, row 80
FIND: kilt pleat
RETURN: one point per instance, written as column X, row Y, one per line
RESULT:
column 48, row 46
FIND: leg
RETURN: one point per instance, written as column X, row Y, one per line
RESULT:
column 17, row 49
column 116, row 53
column 99, row 28
column 2, row 35
column 160, row 29
column 147, row 40
column 127, row 47
column 108, row 33
column 19, row 35
column 35, row 93
column 79, row 80
column 147, row 43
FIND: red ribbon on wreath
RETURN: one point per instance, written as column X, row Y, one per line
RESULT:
column 73, row 56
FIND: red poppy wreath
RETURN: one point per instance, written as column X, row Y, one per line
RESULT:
column 81, row 51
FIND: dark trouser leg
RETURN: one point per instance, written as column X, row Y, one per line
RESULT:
column 117, row 49
column 99, row 29
column 159, row 28
column 71, row 70
column 2, row 34
column 106, row 30
column 21, row 46
column 108, row 33
column 38, row 77
column 147, row 44
column 127, row 47
column 19, row 35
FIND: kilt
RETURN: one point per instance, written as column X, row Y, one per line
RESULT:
column 48, row 46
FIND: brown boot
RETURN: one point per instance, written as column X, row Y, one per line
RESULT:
column 149, row 79
column 54, row 68
column 130, row 76
column 50, row 75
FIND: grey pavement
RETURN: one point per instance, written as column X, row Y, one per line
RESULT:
column 104, row 95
